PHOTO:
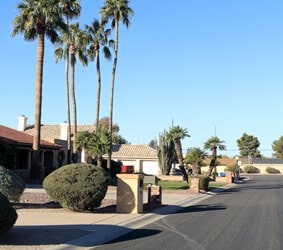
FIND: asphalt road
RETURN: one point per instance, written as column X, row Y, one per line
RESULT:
column 247, row 216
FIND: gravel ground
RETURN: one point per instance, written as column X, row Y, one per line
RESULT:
column 42, row 200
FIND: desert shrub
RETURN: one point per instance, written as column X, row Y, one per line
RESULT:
column 250, row 169
column 11, row 185
column 8, row 215
column 272, row 170
column 77, row 186
column 232, row 167
column 203, row 182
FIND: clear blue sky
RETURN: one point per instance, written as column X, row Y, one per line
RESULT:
column 213, row 67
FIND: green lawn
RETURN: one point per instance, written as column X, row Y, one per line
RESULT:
column 176, row 185
column 173, row 185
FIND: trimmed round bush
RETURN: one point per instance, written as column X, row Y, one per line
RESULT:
column 272, row 170
column 250, row 169
column 11, row 185
column 8, row 215
column 77, row 186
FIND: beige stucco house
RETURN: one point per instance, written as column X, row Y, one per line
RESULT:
column 16, row 152
column 142, row 157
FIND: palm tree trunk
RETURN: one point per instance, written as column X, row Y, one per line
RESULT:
column 74, row 105
column 36, row 157
column 112, row 90
column 181, row 159
column 68, row 110
column 98, row 89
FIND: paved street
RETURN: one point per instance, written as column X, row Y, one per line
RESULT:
column 247, row 216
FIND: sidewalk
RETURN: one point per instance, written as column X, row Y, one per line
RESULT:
column 63, row 229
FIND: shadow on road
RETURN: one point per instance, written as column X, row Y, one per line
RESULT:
column 202, row 208
column 38, row 236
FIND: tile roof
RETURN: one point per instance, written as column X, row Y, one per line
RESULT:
column 222, row 161
column 133, row 151
column 12, row 136
column 54, row 131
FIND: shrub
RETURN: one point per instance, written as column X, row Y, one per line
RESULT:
column 8, row 215
column 11, row 185
column 249, row 169
column 203, row 182
column 78, row 186
column 272, row 170
column 232, row 167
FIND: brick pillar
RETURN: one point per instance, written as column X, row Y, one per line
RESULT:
column 229, row 178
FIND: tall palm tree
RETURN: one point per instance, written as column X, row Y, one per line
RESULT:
column 176, row 134
column 115, row 11
column 78, row 43
column 38, row 19
column 71, row 9
column 63, row 52
column 214, row 143
column 97, row 37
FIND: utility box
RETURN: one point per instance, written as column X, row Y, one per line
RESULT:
column 129, row 193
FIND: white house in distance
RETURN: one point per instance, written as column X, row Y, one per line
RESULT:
column 142, row 157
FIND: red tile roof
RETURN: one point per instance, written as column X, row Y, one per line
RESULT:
column 12, row 136
column 221, row 161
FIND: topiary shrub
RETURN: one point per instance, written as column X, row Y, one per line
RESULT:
column 204, row 182
column 11, row 185
column 272, row 170
column 250, row 169
column 8, row 215
column 77, row 186
column 234, row 168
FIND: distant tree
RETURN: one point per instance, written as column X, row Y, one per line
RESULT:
column 153, row 144
column 95, row 144
column 115, row 138
column 194, row 157
column 115, row 11
column 82, row 142
column 38, row 19
column 277, row 147
column 119, row 139
column 104, row 121
column 214, row 143
column 248, row 146
column 176, row 134
column 99, row 144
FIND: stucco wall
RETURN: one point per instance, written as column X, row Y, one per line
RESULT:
column 262, row 167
